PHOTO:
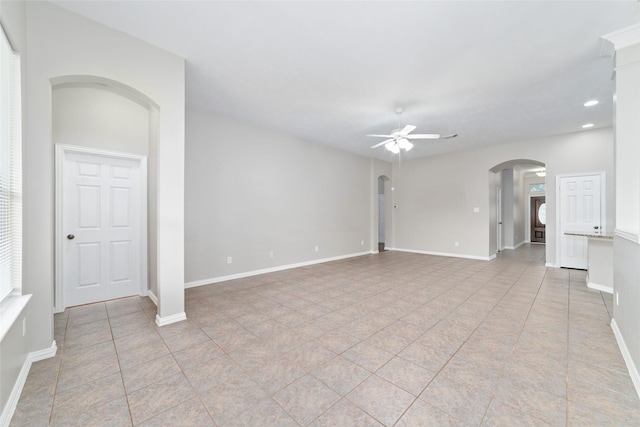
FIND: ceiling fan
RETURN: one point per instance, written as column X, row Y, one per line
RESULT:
column 399, row 138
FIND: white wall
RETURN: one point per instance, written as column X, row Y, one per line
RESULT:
column 507, row 208
column 495, row 183
column 626, row 245
column 250, row 191
column 98, row 118
column 628, row 149
column 62, row 44
column 381, row 207
column 513, row 207
column 519, row 208
column 13, row 354
column 436, row 195
column 510, row 182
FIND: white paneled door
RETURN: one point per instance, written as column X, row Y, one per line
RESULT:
column 100, row 234
column 580, row 212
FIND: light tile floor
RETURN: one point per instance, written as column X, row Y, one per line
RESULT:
column 392, row 339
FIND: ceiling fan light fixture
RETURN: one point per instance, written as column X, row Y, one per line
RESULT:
column 392, row 146
column 591, row 103
column 400, row 138
column 405, row 144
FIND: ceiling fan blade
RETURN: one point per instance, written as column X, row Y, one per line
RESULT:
column 407, row 130
column 424, row 136
column 383, row 136
column 382, row 143
column 453, row 135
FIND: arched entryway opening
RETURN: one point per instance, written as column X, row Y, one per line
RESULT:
column 384, row 213
column 106, row 130
column 517, row 204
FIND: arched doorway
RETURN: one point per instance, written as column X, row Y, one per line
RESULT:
column 384, row 213
column 111, row 127
column 513, row 186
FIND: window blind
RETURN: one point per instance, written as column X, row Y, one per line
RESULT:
column 10, row 170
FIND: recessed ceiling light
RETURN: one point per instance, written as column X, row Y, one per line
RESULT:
column 591, row 103
column 588, row 125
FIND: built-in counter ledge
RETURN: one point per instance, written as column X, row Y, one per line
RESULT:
column 604, row 236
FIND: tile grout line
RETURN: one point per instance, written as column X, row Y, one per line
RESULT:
column 495, row 388
column 568, row 350
column 62, row 351
column 474, row 330
column 124, row 388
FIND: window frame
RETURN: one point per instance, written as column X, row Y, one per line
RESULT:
column 541, row 185
column 10, row 170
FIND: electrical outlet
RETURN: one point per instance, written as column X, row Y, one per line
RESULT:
column 361, row 242
column 229, row 260
column 317, row 248
column 271, row 254
column 457, row 244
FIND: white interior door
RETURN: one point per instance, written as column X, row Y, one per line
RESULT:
column 101, row 227
column 580, row 212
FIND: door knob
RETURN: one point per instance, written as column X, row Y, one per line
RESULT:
column 595, row 227
column 70, row 236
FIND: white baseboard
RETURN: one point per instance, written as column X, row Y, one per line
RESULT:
column 598, row 287
column 481, row 258
column 601, row 288
column 630, row 235
column 46, row 353
column 164, row 321
column 631, row 367
column 153, row 297
column 12, row 402
column 219, row 279
column 550, row 264
column 513, row 248
column 14, row 396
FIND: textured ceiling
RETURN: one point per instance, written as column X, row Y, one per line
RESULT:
column 331, row 72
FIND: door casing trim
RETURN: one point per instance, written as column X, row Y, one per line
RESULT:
column 61, row 150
